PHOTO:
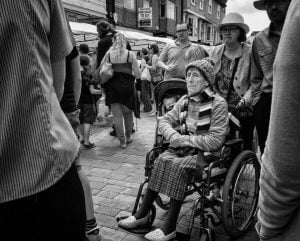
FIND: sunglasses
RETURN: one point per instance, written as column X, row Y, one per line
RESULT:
column 229, row 29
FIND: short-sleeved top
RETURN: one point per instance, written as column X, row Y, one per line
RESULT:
column 173, row 53
column 68, row 103
column 86, row 96
column 37, row 143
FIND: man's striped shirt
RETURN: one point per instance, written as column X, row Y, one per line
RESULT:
column 37, row 143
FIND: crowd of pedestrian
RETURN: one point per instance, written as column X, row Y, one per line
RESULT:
column 55, row 89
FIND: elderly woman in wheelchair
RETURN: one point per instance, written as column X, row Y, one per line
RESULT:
column 202, row 117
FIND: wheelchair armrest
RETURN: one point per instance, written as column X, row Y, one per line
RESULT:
column 233, row 142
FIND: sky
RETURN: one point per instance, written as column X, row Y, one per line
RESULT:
column 256, row 19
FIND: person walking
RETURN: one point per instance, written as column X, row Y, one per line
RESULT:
column 264, row 49
column 39, row 184
column 232, row 71
column 120, row 89
column 279, row 197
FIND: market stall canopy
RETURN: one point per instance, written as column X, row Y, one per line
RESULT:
column 84, row 32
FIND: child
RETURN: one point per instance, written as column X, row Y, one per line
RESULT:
column 86, row 104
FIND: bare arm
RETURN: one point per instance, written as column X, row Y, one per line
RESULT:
column 95, row 91
column 135, row 66
column 76, row 77
column 154, row 63
column 59, row 75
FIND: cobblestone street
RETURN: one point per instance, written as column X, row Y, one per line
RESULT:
column 115, row 175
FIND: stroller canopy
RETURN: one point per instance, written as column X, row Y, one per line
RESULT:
column 174, row 86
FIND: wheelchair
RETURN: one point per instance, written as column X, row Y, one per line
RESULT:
column 227, row 192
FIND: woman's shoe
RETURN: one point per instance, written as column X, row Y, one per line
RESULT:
column 129, row 141
column 131, row 222
column 158, row 235
column 89, row 146
column 123, row 146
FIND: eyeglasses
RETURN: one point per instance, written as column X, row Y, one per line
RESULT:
column 181, row 31
column 229, row 28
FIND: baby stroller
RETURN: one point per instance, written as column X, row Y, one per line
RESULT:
column 227, row 192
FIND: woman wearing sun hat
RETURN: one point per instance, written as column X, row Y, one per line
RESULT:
column 232, row 70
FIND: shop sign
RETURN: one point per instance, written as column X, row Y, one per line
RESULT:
column 145, row 17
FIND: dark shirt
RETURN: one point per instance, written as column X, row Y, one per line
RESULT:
column 86, row 96
column 68, row 103
column 103, row 46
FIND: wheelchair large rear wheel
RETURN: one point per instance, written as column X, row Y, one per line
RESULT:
column 240, row 193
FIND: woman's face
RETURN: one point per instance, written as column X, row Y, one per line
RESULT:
column 230, row 34
column 196, row 82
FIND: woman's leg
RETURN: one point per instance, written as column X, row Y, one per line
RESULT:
column 128, row 121
column 173, row 213
column 117, row 113
column 86, row 133
column 145, row 86
column 146, row 204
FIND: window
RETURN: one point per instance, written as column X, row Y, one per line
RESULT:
column 191, row 25
column 170, row 10
column 129, row 4
column 163, row 10
column 209, row 33
column 146, row 3
column 209, row 6
column 218, row 12
column 201, row 4
column 193, row 2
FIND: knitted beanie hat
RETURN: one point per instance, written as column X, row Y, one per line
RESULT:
column 206, row 67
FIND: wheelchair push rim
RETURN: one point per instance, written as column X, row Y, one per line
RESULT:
column 240, row 193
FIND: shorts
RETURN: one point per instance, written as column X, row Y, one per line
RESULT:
column 87, row 113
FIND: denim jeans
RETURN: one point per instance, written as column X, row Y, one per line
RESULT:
column 121, row 112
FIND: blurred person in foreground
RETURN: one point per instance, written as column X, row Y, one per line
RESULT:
column 39, row 183
column 264, row 49
column 279, row 198
column 68, row 103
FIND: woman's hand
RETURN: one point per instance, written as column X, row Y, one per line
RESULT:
column 177, row 142
column 241, row 104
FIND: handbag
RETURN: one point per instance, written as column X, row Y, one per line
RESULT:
column 106, row 72
column 146, row 74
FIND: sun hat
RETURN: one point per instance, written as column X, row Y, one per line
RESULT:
column 235, row 19
column 206, row 67
column 260, row 5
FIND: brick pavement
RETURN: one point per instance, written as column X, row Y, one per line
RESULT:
column 115, row 175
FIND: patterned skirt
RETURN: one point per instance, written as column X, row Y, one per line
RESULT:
column 172, row 174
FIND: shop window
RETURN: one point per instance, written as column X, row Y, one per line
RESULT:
column 129, row 4
column 146, row 3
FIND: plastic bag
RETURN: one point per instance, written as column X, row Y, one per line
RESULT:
column 146, row 74
column 106, row 72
